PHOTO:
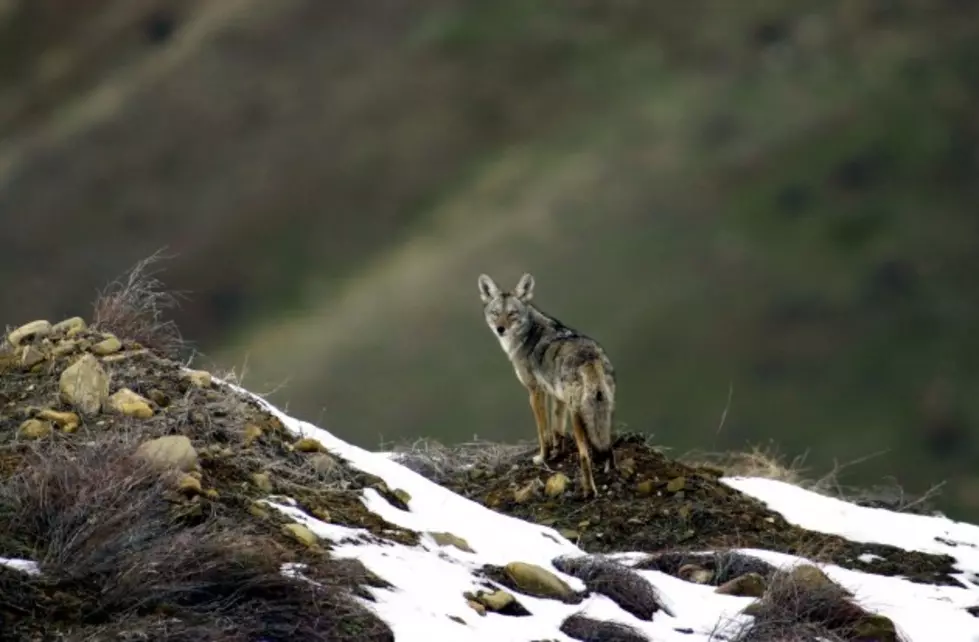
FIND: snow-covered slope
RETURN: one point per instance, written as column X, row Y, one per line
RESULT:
column 426, row 601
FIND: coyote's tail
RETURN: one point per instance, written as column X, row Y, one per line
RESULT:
column 596, row 406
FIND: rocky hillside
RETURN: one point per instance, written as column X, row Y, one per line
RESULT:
column 134, row 487
column 773, row 197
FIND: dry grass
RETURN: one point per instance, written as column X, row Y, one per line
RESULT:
column 121, row 559
column 767, row 463
column 438, row 462
column 134, row 307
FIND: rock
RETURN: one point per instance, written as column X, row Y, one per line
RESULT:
column 321, row 514
column 747, row 585
column 525, row 494
column 212, row 493
column 258, row 510
column 875, row 627
column 300, row 533
column 645, row 487
column 67, row 421
column 252, row 433
column 30, row 356
column 308, row 445
column 448, row 539
column 107, row 346
column 198, row 378
column 556, row 485
column 476, row 606
column 696, row 574
column 172, row 451
column 538, row 581
column 402, row 494
column 159, row 397
column 812, row 577
column 85, row 385
column 189, row 485
column 62, row 348
column 126, row 402
column 324, row 463
column 263, row 482
column 497, row 600
column 69, row 327
column 626, row 468
column 129, row 354
column 676, row 484
column 29, row 332
column 569, row 534
column 35, row 429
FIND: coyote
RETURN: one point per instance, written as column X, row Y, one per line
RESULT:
column 556, row 363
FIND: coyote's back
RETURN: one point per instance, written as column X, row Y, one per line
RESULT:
column 556, row 362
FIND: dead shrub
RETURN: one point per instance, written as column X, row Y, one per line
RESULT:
column 437, row 462
column 119, row 562
column 795, row 608
column 619, row 583
column 133, row 307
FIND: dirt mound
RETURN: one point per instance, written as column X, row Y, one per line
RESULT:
column 653, row 503
column 104, row 442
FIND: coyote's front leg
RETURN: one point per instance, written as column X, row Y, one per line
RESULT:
column 538, row 403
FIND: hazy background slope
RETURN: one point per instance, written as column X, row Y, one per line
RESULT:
column 774, row 196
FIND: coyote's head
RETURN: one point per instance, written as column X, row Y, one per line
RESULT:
column 507, row 313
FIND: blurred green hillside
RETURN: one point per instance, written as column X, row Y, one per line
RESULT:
column 771, row 197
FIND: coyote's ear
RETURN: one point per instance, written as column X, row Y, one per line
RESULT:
column 525, row 288
column 488, row 290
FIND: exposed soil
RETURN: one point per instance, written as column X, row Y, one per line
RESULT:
column 654, row 504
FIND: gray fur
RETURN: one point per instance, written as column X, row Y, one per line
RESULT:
column 552, row 360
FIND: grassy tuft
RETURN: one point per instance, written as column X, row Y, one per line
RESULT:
column 438, row 462
column 134, row 307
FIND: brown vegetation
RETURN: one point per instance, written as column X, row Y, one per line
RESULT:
column 119, row 556
column 134, row 306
